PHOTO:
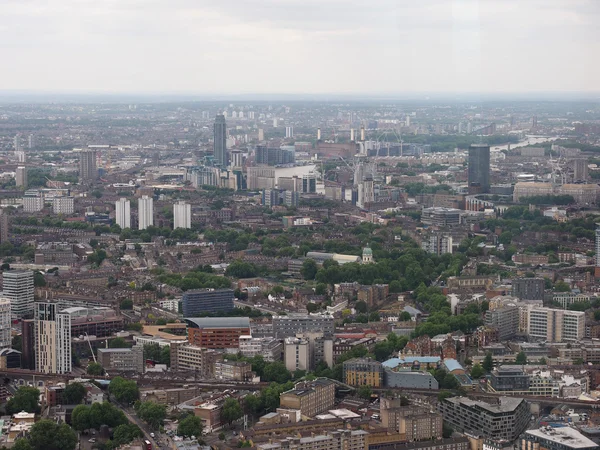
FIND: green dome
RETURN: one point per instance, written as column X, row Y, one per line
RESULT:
column 367, row 251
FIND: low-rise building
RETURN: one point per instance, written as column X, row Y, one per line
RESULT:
column 505, row 419
column 233, row 370
column 311, row 398
column 363, row 372
column 550, row 438
column 122, row 359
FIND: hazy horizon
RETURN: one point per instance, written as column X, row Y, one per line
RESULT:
column 300, row 47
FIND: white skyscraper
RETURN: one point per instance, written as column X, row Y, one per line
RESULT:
column 145, row 212
column 289, row 132
column 52, row 339
column 182, row 215
column 5, row 337
column 17, row 286
column 123, row 213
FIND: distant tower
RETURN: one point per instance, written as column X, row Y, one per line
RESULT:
column 408, row 121
column 275, row 122
column 3, row 227
column 145, row 212
column 17, row 143
column 479, row 168
column 31, row 141
column 87, row 166
column 367, row 255
column 318, row 134
column 21, row 177
column 123, row 213
column 289, row 132
column 597, row 270
column 182, row 215
column 351, row 134
column 220, row 141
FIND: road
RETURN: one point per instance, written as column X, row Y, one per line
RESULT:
column 133, row 418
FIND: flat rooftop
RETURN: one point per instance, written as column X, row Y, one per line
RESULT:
column 566, row 436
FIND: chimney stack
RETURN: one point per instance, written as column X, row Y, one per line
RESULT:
column 362, row 133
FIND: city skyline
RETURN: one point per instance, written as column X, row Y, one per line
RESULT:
column 392, row 47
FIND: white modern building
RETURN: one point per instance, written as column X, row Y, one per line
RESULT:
column 63, row 205
column 145, row 212
column 123, row 213
column 5, row 321
column 33, row 201
column 556, row 325
column 17, row 286
column 21, row 177
column 52, row 339
column 182, row 215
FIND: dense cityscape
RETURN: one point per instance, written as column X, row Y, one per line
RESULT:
column 300, row 225
column 300, row 275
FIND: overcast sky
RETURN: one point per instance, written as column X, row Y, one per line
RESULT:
column 300, row 46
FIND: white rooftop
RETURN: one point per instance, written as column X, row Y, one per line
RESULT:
column 566, row 436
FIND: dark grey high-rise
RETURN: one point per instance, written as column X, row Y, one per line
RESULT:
column 479, row 168
column 220, row 139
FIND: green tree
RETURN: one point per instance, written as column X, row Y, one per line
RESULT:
column 521, row 358
column 152, row 413
column 361, row 307
column 364, row 392
column 48, row 435
column 374, row 317
column 80, row 418
column 543, row 361
column 312, row 307
column 125, row 391
column 321, row 289
column 73, row 394
column 477, row 371
column 578, row 361
column 309, row 269
column 190, row 426
column 231, row 411
column 126, row 304
column 221, row 436
column 21, row 444
column 488, row 362
column 277, row 372
column 95, row 368
column 118, row 342
column 405, row 316
column 126, row 433
column 25, row 399
column 38, row 279
column 161, row 321
column 561, row 286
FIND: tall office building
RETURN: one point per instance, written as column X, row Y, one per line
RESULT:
column 52, row 339
column 145, row 212
column 123, row 213
column 580, row 169
column 17, row 286
column 63, row 205
column 87, row 166
column 182, row 215
column 309, row 183
column 31, row 141
column 479, row 168
column 21, row 177
column 5, row 321
column 528, row 288
column 220, row 140
column 289, row 132
column 555, row 325
column 3, row 227
column 199, row 301
column 597, row 270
